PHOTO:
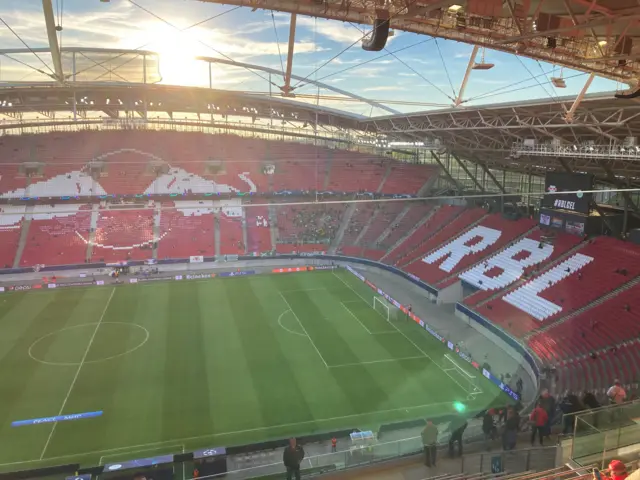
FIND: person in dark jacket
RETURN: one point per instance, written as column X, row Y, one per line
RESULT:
column 459, row 426
column 488, row 427
column 569, row 406
column 511, row 429
column 589, row 400
column 292, row 458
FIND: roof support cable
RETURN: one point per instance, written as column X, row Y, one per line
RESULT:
column 30, row 49
column 366, row 34
column 504, row 87
column 415, row 71
column 527, row 87
column 111, row 59
column 275, row 30
column 444, row 64
column 534, row 77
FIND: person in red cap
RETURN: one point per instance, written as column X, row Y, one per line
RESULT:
column 617, row 470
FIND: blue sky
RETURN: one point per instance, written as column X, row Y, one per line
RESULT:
column 425, row 73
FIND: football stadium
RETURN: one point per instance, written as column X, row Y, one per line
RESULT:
column 285, row 239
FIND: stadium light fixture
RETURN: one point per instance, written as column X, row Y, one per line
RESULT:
column 455, row 8
column 482, row 65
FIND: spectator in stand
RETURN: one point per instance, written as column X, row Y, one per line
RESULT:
column 569, row 406
column 488, row 427
column 519, row 386
column 538, row 419
column 429, row 441
column 589, row 401
column 617, row 470
column 616, row 393
column 549, row 405
column 292, row 458
column 511, row 428
column 459, row 425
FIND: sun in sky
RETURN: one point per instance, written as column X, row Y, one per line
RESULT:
column 177, row 53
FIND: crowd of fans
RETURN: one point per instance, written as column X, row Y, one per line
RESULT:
column 313, row 225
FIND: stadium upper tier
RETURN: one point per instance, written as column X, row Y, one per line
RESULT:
column 91, row 163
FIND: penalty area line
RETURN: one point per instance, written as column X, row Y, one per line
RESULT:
column 372, row 362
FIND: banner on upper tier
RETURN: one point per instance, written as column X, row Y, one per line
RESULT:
column 196, row 259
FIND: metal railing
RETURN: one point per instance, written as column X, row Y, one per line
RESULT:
column 599, row 433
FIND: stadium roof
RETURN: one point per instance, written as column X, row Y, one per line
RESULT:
column 598, row 36
column 94, row 85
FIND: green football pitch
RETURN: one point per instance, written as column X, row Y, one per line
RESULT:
column 176, row 366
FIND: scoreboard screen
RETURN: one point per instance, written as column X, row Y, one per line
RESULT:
column 578, row 183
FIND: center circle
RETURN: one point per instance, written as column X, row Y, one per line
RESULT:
column 67, row 346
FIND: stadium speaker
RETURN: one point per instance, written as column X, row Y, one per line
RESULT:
column 378, row 38
column 627, row 96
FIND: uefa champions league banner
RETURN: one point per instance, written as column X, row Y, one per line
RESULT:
column 505, row 388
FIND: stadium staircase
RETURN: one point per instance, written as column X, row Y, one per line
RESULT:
column 93, row 225
column 273, row 225
column 245, row 236
column 396, row 220
column 365, row 229
column 386, row 175
column 428, row 185
column 156, row 229
column 327, row 173
column 346, row 219
column 216, row 233
column 24, row 236
column 410, row 232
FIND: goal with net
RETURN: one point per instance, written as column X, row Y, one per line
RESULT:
column 467, row 381
column 386, row 309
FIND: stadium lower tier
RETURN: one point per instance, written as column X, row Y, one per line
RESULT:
column 574, row 300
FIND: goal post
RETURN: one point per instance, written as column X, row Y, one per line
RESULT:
column 381, row 306
column 386, row 310
column 467, row 381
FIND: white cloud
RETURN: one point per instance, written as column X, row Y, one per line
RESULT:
column 330, row 29
column 383, row 88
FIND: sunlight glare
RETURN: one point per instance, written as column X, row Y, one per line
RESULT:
column 177, row 52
